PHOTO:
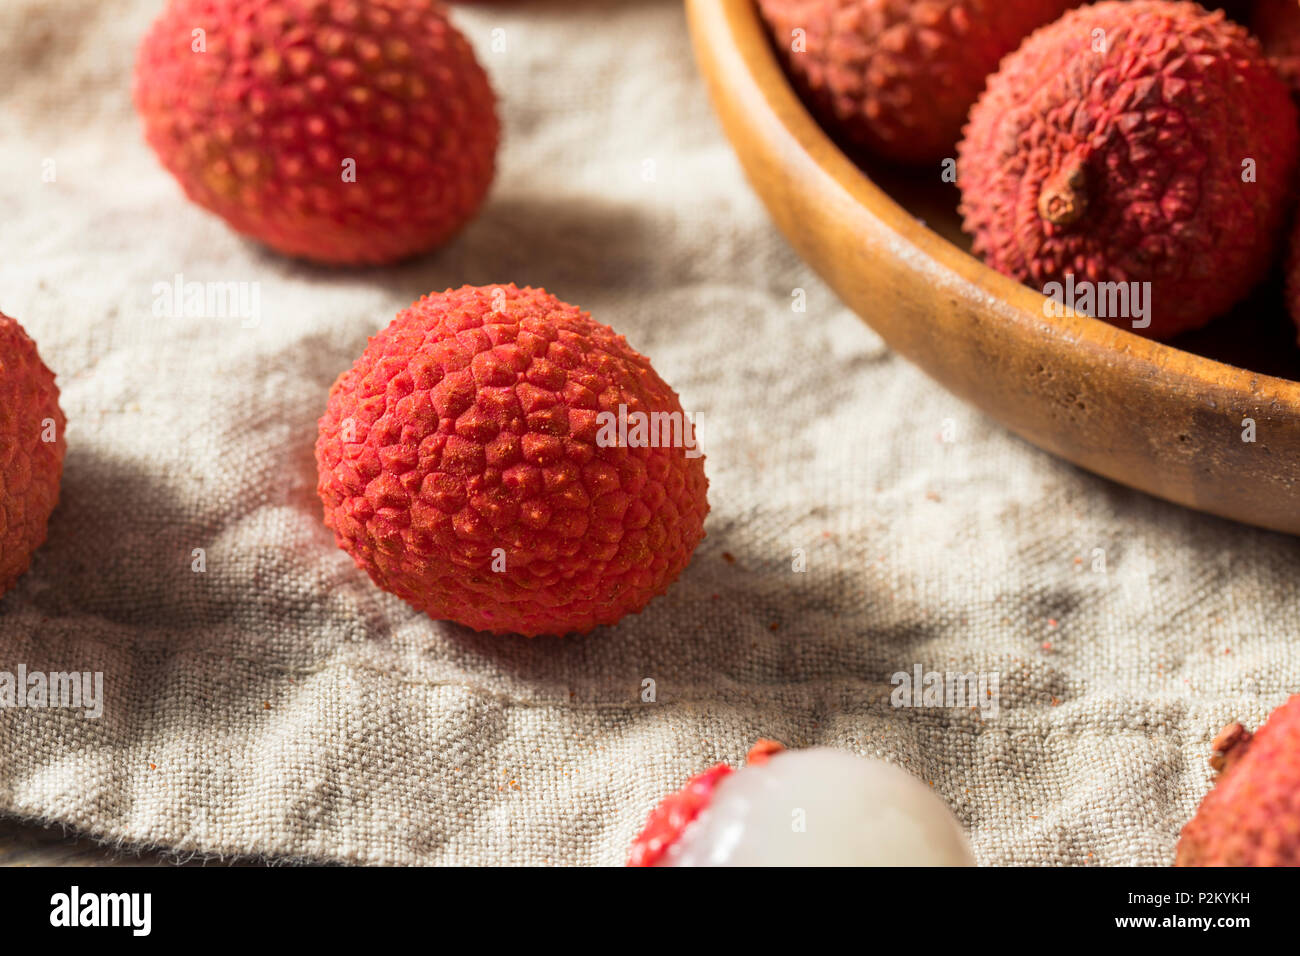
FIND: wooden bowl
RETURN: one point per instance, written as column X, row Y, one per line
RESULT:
column 1153, row 416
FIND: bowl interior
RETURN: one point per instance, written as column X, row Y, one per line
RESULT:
column 1210, row 421
column 1256, row 335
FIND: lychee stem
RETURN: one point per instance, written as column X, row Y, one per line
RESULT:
column 762, row 751
column 1229, row 746
column 1064, row 197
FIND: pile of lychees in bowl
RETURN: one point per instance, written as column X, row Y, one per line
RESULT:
column 1135, row 160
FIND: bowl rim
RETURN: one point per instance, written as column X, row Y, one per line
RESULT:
column 1019, row 303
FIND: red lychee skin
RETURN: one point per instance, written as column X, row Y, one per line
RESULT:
column 261, row 127
column 1127, row 166
column 1251, row 817
column 1277, row 25
column 673, row 815
column 897, row 76
column 678, row 810
column 30, row 466
column 468, row 435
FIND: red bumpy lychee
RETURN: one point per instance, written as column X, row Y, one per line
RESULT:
column 31, row 450
column 896, row 76
column 1134, row 142
column 474, row 462
column 1251, row 817
column 343, row 131
column 1277, row 25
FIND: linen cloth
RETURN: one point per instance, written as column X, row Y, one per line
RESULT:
column 278, row 705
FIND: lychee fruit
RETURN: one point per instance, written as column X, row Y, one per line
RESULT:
column 31, row 450
column 342, row 131
column 1251, row 817
column 816, row 807
column 1132, row 143
column 1277, row 25
column 896, row 76
column 498, row 459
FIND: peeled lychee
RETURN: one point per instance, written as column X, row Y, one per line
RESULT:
column 898, row 76
column 817, row 807
column 335, row 130
column 497, row 458
column 1128, row 143
column 1251, row 817
column 31, row 450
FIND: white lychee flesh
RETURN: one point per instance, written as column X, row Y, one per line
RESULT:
column 822, row 807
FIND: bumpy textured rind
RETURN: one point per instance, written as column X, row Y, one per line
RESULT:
column 1277, row 25
column 343, row 132
column 1127, row 165
column 1251, row 817
column 679, row 809
column 467, row 436
column 897, row 76
column 30, row 467
column 673, row 815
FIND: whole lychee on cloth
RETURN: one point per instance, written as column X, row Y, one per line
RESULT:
column 1251, row 817
column 897, row 76
column 1133, row 142
column 342, row 131
column 487, row 459
column 31, row 450
column 814, row 807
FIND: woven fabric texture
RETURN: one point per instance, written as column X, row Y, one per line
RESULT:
column 278, row 704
